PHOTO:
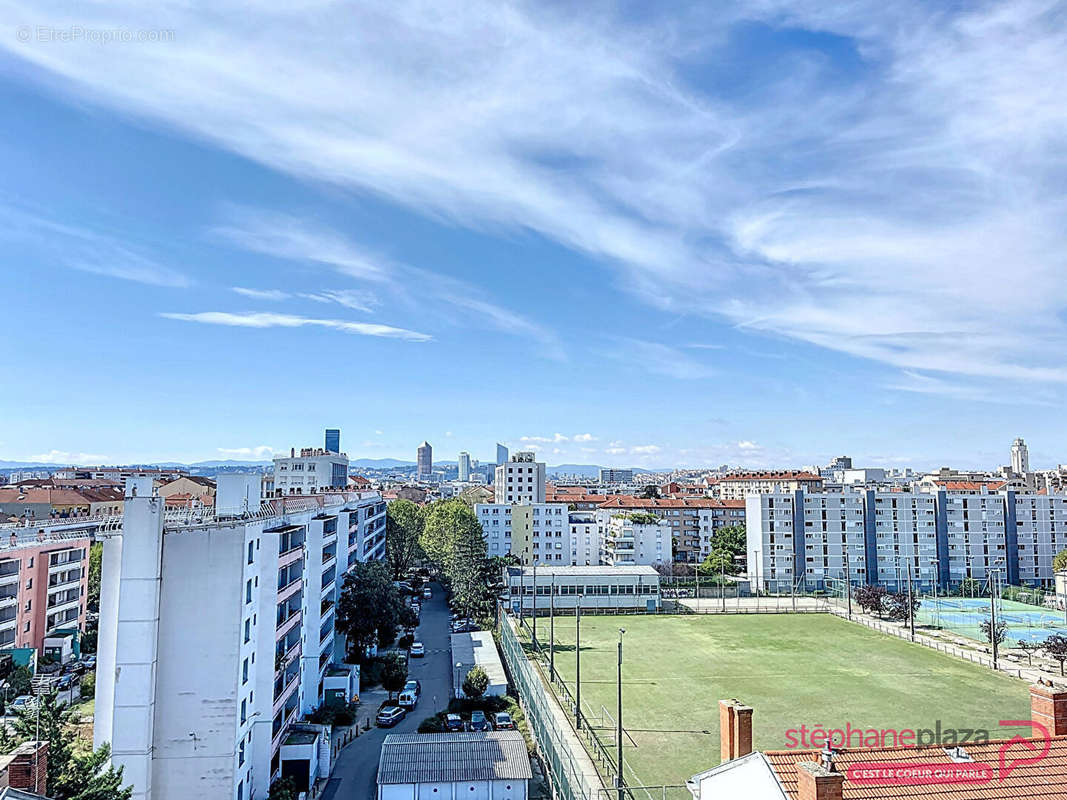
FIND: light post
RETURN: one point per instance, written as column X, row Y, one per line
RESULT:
column 455, row 673
column 618, row 722
column 552, row 629
column 578, row 663
column 911, row 604
column 756, row 567
column 848, row 582
column 936, row 564
column 722, row 584
column 534, row 611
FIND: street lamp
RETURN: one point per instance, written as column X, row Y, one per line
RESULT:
column 534, row 611
column 455, row 673
column 552, row 629
column 936, row 564
column 618, row 721
column 578, row 663
column 848, row 582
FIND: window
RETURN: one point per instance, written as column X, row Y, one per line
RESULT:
column 248, row 591
column 244, row 679
column 248, row 630
column 250, row 552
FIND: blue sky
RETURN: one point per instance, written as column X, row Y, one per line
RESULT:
column 762, row 234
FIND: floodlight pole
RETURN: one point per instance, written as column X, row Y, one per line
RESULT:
column 848, row 582
column 911, row 603
column 552, row 629
column 992, row 619
column 578, row 663
column 618, row 722
column 936, row 564
column 534, row 611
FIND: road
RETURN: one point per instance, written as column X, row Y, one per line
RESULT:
column 357, row 766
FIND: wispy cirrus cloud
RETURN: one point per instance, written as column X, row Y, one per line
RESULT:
column 64, row 457
column 861, row 186
column 656, row 358
column 262, row 294
column 258, row 453
column 252, row 319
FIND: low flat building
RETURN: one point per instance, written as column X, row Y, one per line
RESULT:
column 477, row 649
column 449, row 766
column 625, row 588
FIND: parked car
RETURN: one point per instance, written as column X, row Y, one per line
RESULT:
column 22, row 701
column 464, row 627
column 479, row 722
column 417, row 650
column 453, row 722
column 89, row 662
column 390, row 715
column 408, row 699
column 427, row 593
column 502, row 721
column 415, row 684
column 65, row 682
column 74, row 668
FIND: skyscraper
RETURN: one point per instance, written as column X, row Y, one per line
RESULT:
column 424, row 461
column 464, row 466
column 501, row 454
column 1020, row 457
column 333, row 440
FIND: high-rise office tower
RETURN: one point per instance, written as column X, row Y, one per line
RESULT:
column 333, row 440
column 424, row 461
column 464, row 466
column 501, row 454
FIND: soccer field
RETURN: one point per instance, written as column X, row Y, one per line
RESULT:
column 792, row 669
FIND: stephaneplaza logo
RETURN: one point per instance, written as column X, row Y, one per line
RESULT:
column 79, row 33
column 927, row 772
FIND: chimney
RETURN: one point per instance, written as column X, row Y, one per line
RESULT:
column 1048, row 706
column 816, row 782
column 735, row 729
column 28, row 769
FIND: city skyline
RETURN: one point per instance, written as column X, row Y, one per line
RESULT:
column 727, row 223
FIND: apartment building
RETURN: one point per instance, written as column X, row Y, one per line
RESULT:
column 217, row 633
column 616, row 475
column 44, row 578
column 586, row 541
column 533, row 532
column 693, row 520
column 313, row 470
column 520, row 480
column 938, row 538
column 636, row 539
column 424, row 462
column 739, row 485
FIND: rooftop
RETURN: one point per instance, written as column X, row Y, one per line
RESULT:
column 453, row 757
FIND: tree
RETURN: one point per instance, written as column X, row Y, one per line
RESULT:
column 1029, row 648
column 475, row 684
column 727, row 551
column 20, row 680
column 453, row 539
column 871, row 599
column 96, row 555
column 368, row 611
column 88, row 686
column 283, row 789
column 93, row 777
column 1056, row 648
column 394, row 675
column 717, row 563
column 898, row 608
column 1059, row 562
column 994, row 635
column 71, row 775
column 650, row 492
column 403, row 529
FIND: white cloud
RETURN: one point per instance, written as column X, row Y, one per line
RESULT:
column 262, row 294
column 646, row 449
column 872, row 208
column 746, row 444
column 63, row 457
column 658, row 359
column 555, row 438
column 268, row 320
column 614, row 450
column 261, row 452
column 585, row 437
column 349, row 298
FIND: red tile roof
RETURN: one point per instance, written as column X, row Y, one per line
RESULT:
column 770, row 475
column 972, row 486
column 37, row 496
column 629, row 501
column 1046, row 778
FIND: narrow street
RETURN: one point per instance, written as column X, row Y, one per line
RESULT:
column 354, row 774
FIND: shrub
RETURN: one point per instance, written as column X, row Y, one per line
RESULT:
column 476, row 682
column 434, row 724
column 88, row 686
column 405, row 641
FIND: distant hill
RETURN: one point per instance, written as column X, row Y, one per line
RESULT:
column 380, row 463
column 588, row 470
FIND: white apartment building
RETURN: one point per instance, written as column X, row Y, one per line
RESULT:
column 313, row 470
column 586, row 540
column 217, row 633
column 464, row 466
column 737, row 486
column 616, row 475
column 1041, row 524
column 535, row 533
column 520, row 480
column 633, row 539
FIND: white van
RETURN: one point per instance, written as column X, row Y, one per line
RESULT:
column 408, row 699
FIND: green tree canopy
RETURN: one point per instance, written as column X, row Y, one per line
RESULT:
column 394, row 675
column 1059, row 562
column 403, row 530
column 475, row 684
column 368, row 611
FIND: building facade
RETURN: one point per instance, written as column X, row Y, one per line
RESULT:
column 623, row 587
column 738, row 486
column 464, row 467
column 217, row 632
column 520, row 480
column 535, row 533
column 942, row 538
column 424, row 462
column 311, row 471
column 501, row 454
column 616, row 475
column 44, row 578
column 633, row 540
